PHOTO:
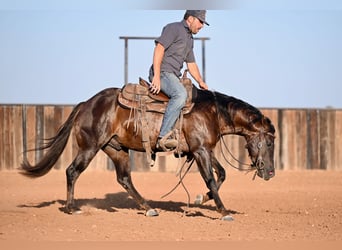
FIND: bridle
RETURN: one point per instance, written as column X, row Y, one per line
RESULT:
column 258, row 164
column 259, row 140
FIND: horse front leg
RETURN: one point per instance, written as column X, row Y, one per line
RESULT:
column 205, row 165
column 221, row 176
column 123, row 174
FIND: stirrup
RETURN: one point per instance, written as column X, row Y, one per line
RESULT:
column 166, row 144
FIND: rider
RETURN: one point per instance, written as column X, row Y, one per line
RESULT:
column 173, row 48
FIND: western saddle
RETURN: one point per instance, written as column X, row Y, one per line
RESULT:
column 138, row 98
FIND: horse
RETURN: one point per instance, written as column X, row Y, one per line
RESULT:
column 101, row 123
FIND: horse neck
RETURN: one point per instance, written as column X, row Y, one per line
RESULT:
column 236, row 116
column 245, row 121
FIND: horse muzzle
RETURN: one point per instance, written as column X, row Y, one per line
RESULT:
column 264, row 172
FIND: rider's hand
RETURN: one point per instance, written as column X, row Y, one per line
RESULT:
column 155, row 86
column 203, row 85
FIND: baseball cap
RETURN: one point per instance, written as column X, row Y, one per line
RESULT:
column 200, row 14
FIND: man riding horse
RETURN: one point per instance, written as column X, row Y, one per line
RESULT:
column 173, row 48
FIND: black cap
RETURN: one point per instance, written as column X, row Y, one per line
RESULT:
column 200, row 14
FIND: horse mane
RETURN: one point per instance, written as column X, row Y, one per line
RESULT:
column 235, row 110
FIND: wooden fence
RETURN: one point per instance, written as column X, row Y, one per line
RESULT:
column 305, row 139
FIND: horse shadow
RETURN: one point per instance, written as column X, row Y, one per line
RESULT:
column 114, row 201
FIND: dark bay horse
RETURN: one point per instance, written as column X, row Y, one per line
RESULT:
column 101, row 123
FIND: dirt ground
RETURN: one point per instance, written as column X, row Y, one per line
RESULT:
column 293, row 206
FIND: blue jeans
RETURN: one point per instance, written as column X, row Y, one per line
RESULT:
column 174, row 89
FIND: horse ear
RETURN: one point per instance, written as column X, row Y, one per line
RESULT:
column 267, row 121
column 270, row 134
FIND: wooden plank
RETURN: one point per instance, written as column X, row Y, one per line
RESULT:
column 287, row 142
column 11, row 136
column 331, row 139
column 31, row 132
column 280, row 140
column 323, row 137
column 50, row 127
column 17, row 136
column 2, row 137
column 313, row 149
column 327, row 140
column 300, row 136
column 292, row 133
column 8, row 155
column 337, row 138
column 39, row 131
column 24, row 133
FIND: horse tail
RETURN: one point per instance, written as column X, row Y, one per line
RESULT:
column 55, row 146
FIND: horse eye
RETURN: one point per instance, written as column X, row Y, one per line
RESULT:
column 269, row 144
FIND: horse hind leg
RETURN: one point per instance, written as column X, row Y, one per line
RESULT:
column 123, row 174
column 79, row 164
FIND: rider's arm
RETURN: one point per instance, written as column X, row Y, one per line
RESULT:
column 157, row 60
column 195, row 73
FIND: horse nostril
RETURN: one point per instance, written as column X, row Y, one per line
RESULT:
column 271, row 173
column 260, row 164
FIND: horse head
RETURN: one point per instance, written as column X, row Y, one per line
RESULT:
column 260, row 146
column 261, row 151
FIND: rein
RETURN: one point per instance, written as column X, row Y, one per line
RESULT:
column 181, row 177
column 251, row 167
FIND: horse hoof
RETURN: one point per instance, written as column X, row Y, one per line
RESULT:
column 151, row 213
column 199, row 199
column 73, row 210
column 77, row 212
column 227, row 218
column 152, row 162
